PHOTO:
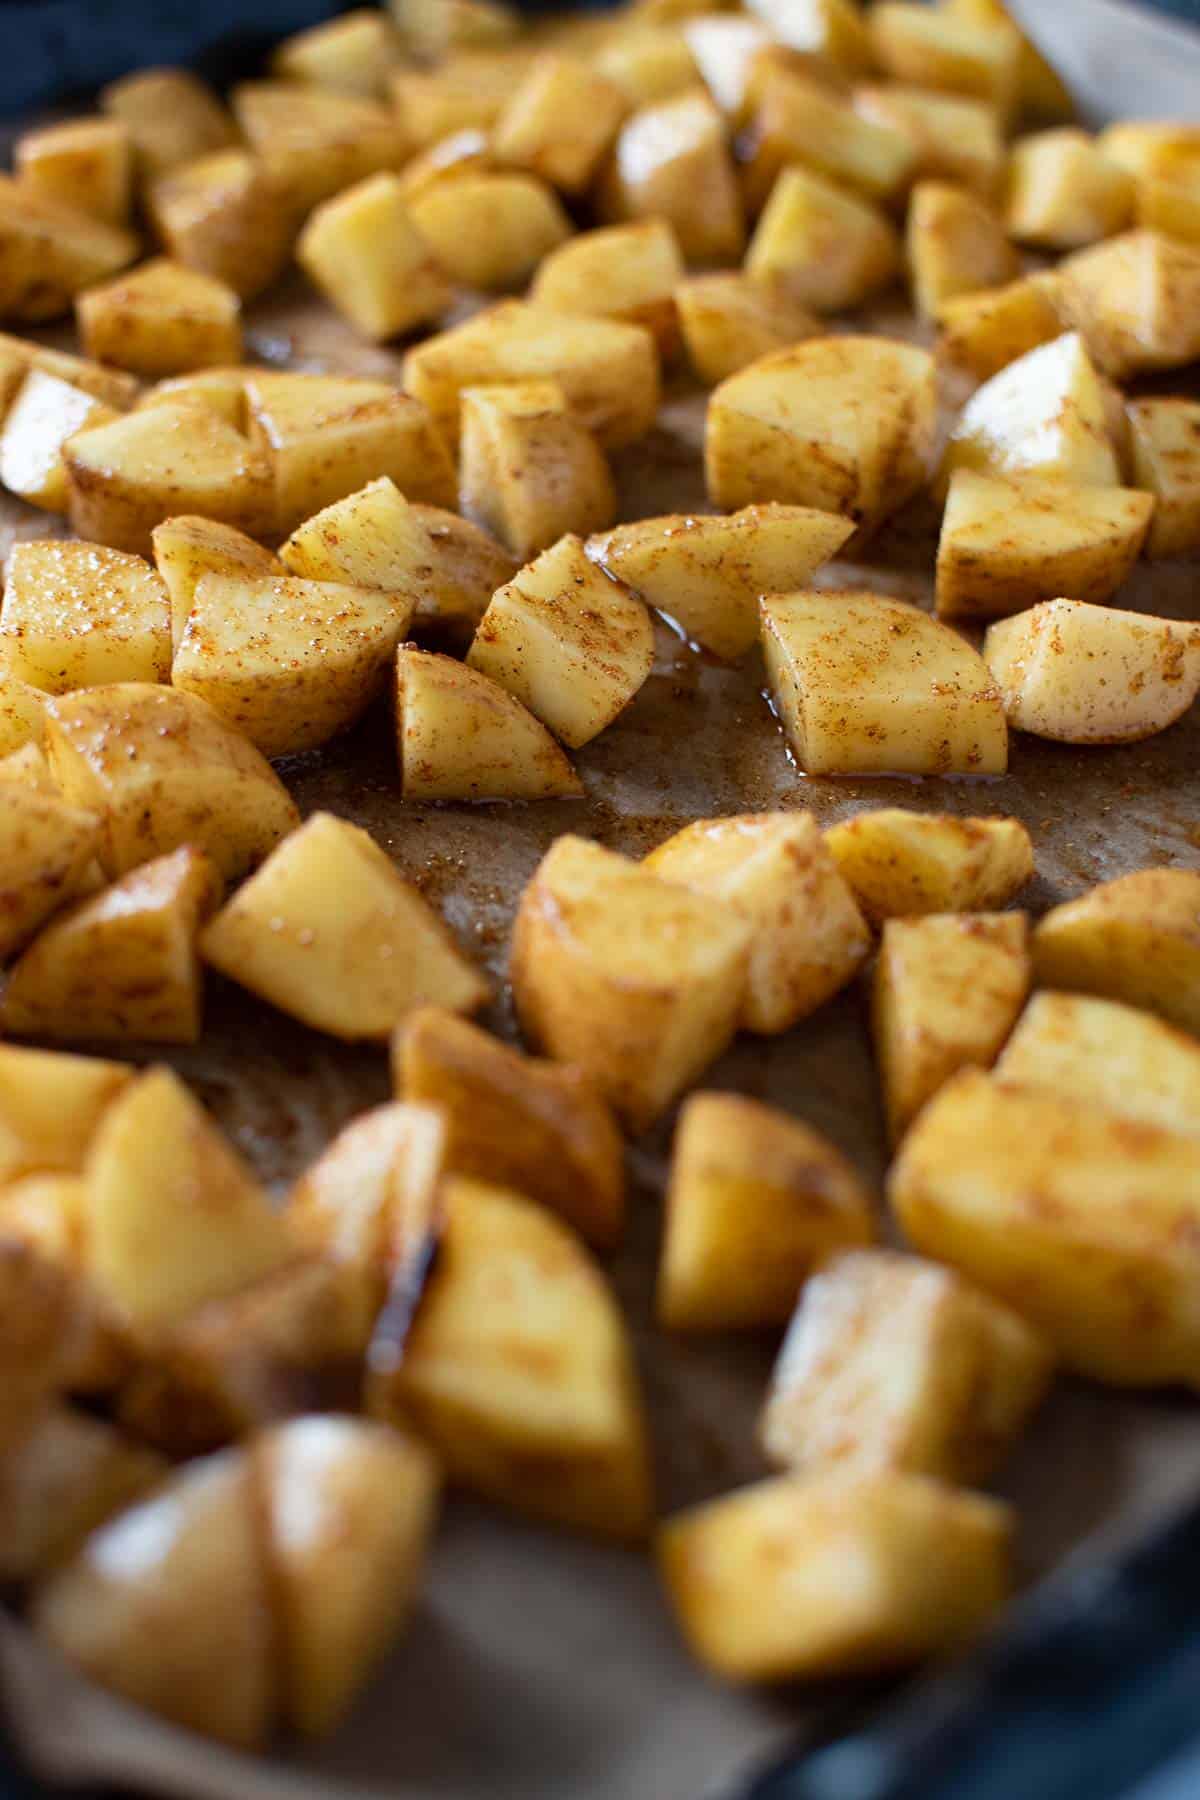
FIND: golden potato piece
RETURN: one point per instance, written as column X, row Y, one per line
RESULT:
column 524, row 1387
column 168, row 1605
column 446, row 158
column 1135, row 939
column 983, row 333
column 1106, row 1054
column 636, row 980
column 672, row 162
column 956, row 245
column 798, row 120
column 529, row 470
column 649, row 64
column 366, row 255
column 627, row 272
column 1164, row 436
column 223, row 391
column 842, row 1574
column 67, row 1477
column 831, row 29
column 162, row 319
column 1063, row 192
column 464, row 568
column 827, row 248
column 351, row 54
column 78, row 615
column 313, row 142
column 44, row 414
column 1136, row 299
column 189, row 546
column 559, row 122
column 461, row 736
column 46, row 847
column 947, row 991
column 86, row 164
column 754, row 1201
column 1041, row 91
column 1139, row 144
column 898, row 862
column 50, row 1107
column 894, row 1363
column 224, row 216
column 869, row 685
column 953, row 139
column 46, row 1212
column 1043, row 414
column 48, row 252
column 933, row 47
column 729, row 319
column 728, row 51
column 489, row 228
column 465, row 93
column 170, row 115
column 22, row 715
column 330, row 932
column 19, row 355
column 39, row 1326
column 1168, row 198
column 435, row 28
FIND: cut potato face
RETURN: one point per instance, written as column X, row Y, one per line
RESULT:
column 47, row 846
column 488, row 228
column 1135, row 939
column 868, row 685
column 672, row 162
column 365, row 253
column 313, row 142
column 461, row 736
column 559, row 122
column 78, row 615
column 1103, row 1053
column 446, row 157
column 171, row 117
column 50, row 252
column 1063, row 192
column 831, row 29
column 1164, row 436
column 956, row 245
column 223, row 390
column 953, row 139
column 351, row 55
column 67, row 1477
column 187, row 547
column 729, row 320
column 939, row 48
column 798, row 120
column 725, row 49
column 44, row 414
column 826, row 248
column 1044, row 414
column 86, row 164
column 162, row 319
column 1135, row 299
column 529, row 471
column 898, row 862
column 625, row 272
column 224, row 216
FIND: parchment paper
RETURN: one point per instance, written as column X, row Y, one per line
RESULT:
column 540, row 1666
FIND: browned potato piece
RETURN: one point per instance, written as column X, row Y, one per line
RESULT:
column 313, row 142
column 529, row 470
column 122, row 965
column 224, row 216
column 894, row 1363
column 1135, row 939
column 625, row 272
column 82, row 163
column 525, row 1388
column 1044, row 415
column 19, row 355
column 50, row 1106
column 956, row 245
column 38, row 1326
column 67, row 1477
column 953, row 139
column 933, row 47
column 365, row 253
column 330, row 932
column 187, row 547
column 43, row 415
column 539, row 1127
column 48, row 252
column 842, row 1574
column 170, row 115
column 490, row 228
column 1165, row 439
column 649, row 64
column 461, row 736
column 797, row 120
column 186, row 1632
column 162, row 319
column 827, row 248
column 559, row 122
column 672, row 162
column 983, row 333
column 1136, row 299
column 947, row 991
column 729, row 320
column 1063, row 192
column 899, row 862
column 77, row 615
column 755, row 1200
column 352, row 54
column 47, row 845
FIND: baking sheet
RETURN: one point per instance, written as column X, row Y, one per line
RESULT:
column 540, row 1665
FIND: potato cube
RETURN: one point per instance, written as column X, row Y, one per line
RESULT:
column 956, row 245
column 86, row 164
column 727, row 52
column 947, row 991
column 45, row 413
column 1007, row 545
column 728, row 319
column 313, row 142
column 952, row 139
column 638, row 981
column 461, row 736
column 49, row 251
column 983, row 333
column 571, row 644
column 352, row 54
column 170, row 115
column 507, row 1379
column 1135, row 939
column 1168, row 201
column 869, row 685
column 608, row 370
column 459, row 153
column 529, row 470
column 1165, row 439
column 187, row 547
column 649, row 64
column 46, row 847
column 39, row 1327
column 19, row 355
column 162, row 319
column 845, row 424
column 1084, row 1222
column 625, row 272
column 1136, row 299
column 223, row 391
column 71, row 1474
column 559, row 122
column 224, row 216
column 46, row 1212
column 672, row 162
column 465, row 93
column 366, row 255
column 843, row 1574
column 1063, row 192
column 826, row 248
column 755, row 1200
column 797, row 120
column 831, row 29
column 50, row 1107
column 932, row 47
column 894, row 1363
column 898, row 863
column 1138, row 145
column 1044, row 414
column 77, row 615
column 1080, row 674
column 330, row 932
column 489, row 229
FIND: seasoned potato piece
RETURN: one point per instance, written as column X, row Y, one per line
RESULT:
column 86, row 164
column 625, row 272
column 899, row 862
column 122, row 965
column 727, row 51
column 983, row 333
column 1135, row 939
column 672, row 162
column 67, row 1477
column 1041, row 92
column 226, row 217
column 525, row 1387
column 46, row 848
column 19, row 355
column 50, row 1106
column 459, row 152
column 187, row 547
column 77, row 615
column 1106, row 1054
column 870, row 685
column 952, row 139
column 489, row 229
column 330, row 932
column 170, row 115
column 1082, row 1220
column 1082, row 674
column 48, row 252
column 22, row 719
column 841, row 1574
column 44, row 414
column 845, row 424
column 223, row 391
column 1138, row 144
column 1164, row 436
column 366, row 255
column 651, row 63
column 1044, row 414
column 168, row 1604
column 529, row 470
column 831, row 29
column 38, row 1325
column 893, row 1363
column 1168, row 200
column 559, row 122
column 162, row 319
column 825, row 247
column 465, row 93
column 947, row 991
column 1136, row 299
column 608, row 370
column 571, row 644
column 955, row 244
column 461, row 736
column 933, row 47
column 729, row 319
column 313, row 142
column 162, row 769
column 1063, row 192
column 352, row 54
column 636, row 980
column 797, row 120
column 539, row 1127
column 754, row 1201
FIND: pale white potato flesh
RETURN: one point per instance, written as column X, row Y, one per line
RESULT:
column 1042, row 414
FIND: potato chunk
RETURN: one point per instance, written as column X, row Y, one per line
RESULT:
column 1135, row 939
column 187, row 547
column 351, row 54
column 798, row 120
column 171, row 117
column 625, row 272
column 636, row 980
column 39, row 1323
column 464, row 93
column 726, row 50
column 223, row 391
column 86, row 164
column 827, row 248
column 313, row 142
column 932, row 47
column 161, row 769
column 46, row 848
column 162, row 319
column 44, row 414
column 729, row 319
column 50, row 1106
column 459, row 152
column 529, row 470
column 19, row 355
column 870, row 685
column 1044, row 414
column 559, row 122
column 49, row 252
column 1082, row 1220
column 894, row 1363
column 956, row 245
column 947, row 991
column 831, row 29
column 983, row 333
column 1164, row 436
column 845, row 424
column 1063, row 192
column 539, row 1127
column 1103, row 1053
column 461, row 736
column 525, row 1387
column 368, row 258
column 842, row 1574
column 22, row 719
column 224, row 216
column 953, row 139
column 898, row 862
column 1083, row 674
column 77, row 615
column 651, row 63
column 330, row 932
column 1136, row 299
column 489, row 228
column 672, row 162
column 1006, row 545
column 71, row 1474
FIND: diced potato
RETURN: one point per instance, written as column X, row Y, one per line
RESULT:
column 162, row 319
column 126, row 477
column 86, row 164
column 524, row 1386
column 49, row 252
column 571, row 644
column 465, row 93
column 1164, row 436
column 947, row 991
column 459, row 152
column 983, row 333
column 462, row 736
column 935, row 48
column 50, row 1107
column 1041, row 91
column 223, row 391
column 161, row 769
column 1103, row 1053
column 46, row 848
column 832, row 29
column 672, row 162
column 1136, row 299
column 625, row 272
column 77, row 615
column 39, row 1323
column 827, row 248
column 956, row 245
column 608, row 370
column 952, row 139
column 22, row 720
column 122, row 965
column 434, row 27
column 899, row 863
column 489, row 229
column 170, row 115
column 352, row 54
column 728, row 319
column 330, row 932
column 559, row 122
column 649, row 64
column 44, row 414
column 1063, row 192
column 1135, row 939
column 462, row 572
column 529, row 470
column 67, row 1477
column 1082, row 674
column 225, row 216
column 1138, row 144
column 313, row 142
column 366, row 255
column 893, row 1363
column 28, row 767
column 843, row 1574
column 1010, row 544
column 168, row 1605
column 754, row 1201
column 636, row 980
column 1080, row 1219
column 845, row 424
column 797, row 120
column 726, row 50
column 46, row 1213
column 19, row 355
column 1044, row 414
column 869, row 685
column 187, row 547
